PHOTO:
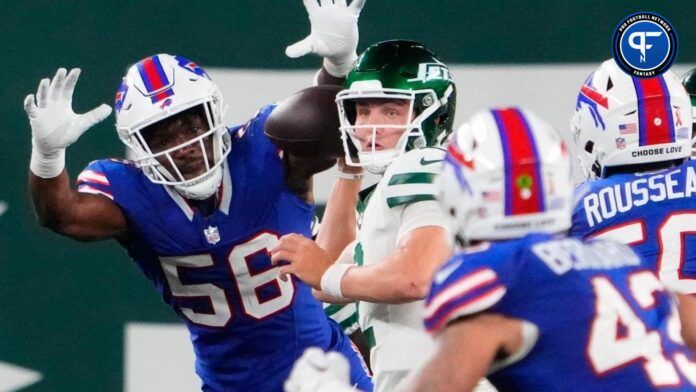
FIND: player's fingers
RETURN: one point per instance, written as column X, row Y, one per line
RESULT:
column 278, row 247
column 300, row 48
column 56, row 88
column 357, row 6
column 30, row 105
column 282, row 255
column 284, row 271
column 70, row 82
column 341, row 3
column 310, row 4
column 91, row 118
column 287, row 242
column 42, row 93
column 97, row 114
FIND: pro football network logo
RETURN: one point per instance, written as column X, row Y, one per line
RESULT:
column 645, row 44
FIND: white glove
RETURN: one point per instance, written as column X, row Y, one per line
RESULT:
column 317, row 371
column 334, row 34
column 54, row 125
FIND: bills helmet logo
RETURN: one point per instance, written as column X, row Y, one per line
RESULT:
column 165, row 103
column 190, row 66
column 120, row 96
column 591, row 97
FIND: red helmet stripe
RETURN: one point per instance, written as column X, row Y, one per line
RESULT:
column 523, row 187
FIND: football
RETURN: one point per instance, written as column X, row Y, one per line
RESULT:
column 306, row 124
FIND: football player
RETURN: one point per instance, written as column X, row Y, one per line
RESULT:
column 633, row 141
column 523, row 303
column 689, row 83
column 397, row 107
column 200, row 206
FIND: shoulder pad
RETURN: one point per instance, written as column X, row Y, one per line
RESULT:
column 410, row 177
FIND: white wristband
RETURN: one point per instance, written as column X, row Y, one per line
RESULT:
column 47, row 165
column 331, row 280
column 340, row 68
column 349, row 176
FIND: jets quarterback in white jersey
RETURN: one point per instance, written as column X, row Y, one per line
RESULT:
column 397, row 107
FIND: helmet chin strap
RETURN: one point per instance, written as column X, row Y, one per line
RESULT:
column 203, row 188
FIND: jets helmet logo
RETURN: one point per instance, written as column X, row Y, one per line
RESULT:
column 431, row 71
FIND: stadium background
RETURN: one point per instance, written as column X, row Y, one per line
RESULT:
column 65, row 306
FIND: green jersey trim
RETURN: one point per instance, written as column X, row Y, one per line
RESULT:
column 412, row 178
column 399, row 200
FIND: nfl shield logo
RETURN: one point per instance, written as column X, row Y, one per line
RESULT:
column 620, row 143
column 212, row 235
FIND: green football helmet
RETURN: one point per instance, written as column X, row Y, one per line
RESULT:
column 397, row 70
column 689, row 83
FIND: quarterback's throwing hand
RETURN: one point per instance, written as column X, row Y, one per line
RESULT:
column 54, row 124
column 306, row 259
column 333, row 36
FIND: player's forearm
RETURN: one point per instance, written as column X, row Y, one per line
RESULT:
column 338, row 227
column 52, row 198
column 80, row 216
column 440, row 374
column 405, row 275
column 329, row 299
column 392, row 281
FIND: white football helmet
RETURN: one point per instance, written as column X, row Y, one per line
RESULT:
column 623, row 120
column 506, row 174
column 159, row 87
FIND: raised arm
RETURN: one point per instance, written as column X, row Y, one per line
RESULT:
column 334, row 36
column 55, row 126
column 338, row 227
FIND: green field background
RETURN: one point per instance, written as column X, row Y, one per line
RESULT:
column 63, row 304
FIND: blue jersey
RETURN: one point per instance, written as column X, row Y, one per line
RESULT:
column 247, row 326
column 653, row 212
column 594, row 318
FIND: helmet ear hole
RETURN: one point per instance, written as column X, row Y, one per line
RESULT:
column 610, row 84
column 589, row 146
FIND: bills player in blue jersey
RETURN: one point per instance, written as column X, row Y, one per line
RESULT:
column 520, row 301
column 533, row 308
column 199, row 206
column 633, row 141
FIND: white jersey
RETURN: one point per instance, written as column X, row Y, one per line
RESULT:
column 403, row 200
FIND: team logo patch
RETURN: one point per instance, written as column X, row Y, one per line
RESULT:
column 120, row 96
column 591, row 97
column 645, row 44
column 431, row 71
column 524, row 184
column 212, row 235
column 620, row 143
column 190, row 66
column 165, row 103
